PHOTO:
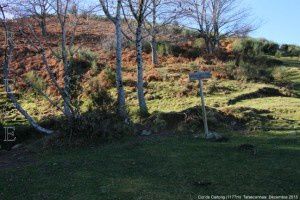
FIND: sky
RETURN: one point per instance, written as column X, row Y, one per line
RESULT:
column 279, row 20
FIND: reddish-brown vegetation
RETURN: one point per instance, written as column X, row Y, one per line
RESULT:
column 96, row 35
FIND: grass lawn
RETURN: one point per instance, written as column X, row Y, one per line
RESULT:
column 159, row 168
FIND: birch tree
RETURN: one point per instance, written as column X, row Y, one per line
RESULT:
column 163, row 13
column 66, row 13
column 61, row 8
column 8, row 54
column 216, row 19
column 41, row 44
column 139, row 10
column 116, row 19
column 153, row 32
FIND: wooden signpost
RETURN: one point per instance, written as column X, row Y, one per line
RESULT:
column 199, row 76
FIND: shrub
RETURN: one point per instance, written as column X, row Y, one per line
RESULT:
column 86, row 129
column 255, row 52
column 212, row 86
column 229, row 69
column 128, row 44
column 175, row 50
column 194, row 66
column 192, row 53
column 107, row 77
column 255, row 47
column 166, row 48
column 83, row 61
column 264, row 61
column 269, row 47
column 159, row 124
column 190, row 33
column 129, row 80
column 294, row 50
column 199, row 43
column 247, row 47
column 280, row 75
column 248, row 72
column 289, row 50
column 153, row 75
column 96, row 97
column 161, row 48
column 101, row 99
column 86, row 55
column 147, row 47
column 176, row 29
column 34, row 79
column 108, row 44
column 278, row 54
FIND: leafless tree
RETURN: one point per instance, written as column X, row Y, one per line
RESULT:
column 163, row 13
column 36, row 9
column 67, row 23
column 61, row 8
column 115, row 17
column 8, row 54
column 139, row 11
column 217, row 19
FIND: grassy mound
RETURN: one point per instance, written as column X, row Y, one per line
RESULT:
column 190, row 121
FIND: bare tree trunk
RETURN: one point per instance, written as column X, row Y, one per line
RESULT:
column 43, row 26
column 212, row 47
column 118, row 26
column 208, row 45
column 31, row 121
column 154, row 35
column 6, row 64
column 120, row 87
column 140, row 81
column 67, row 75
column 155, row 61
column 139, row 15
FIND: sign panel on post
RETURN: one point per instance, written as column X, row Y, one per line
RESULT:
column 198, row 76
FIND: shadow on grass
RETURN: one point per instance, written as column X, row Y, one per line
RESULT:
column 260, row 93
column 191, row 121
column 91, row 127
column 290, row 62
column 160, row 169
column 99, row 126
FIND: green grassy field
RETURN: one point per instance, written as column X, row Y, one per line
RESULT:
column 177, row 166
column 159, row 168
